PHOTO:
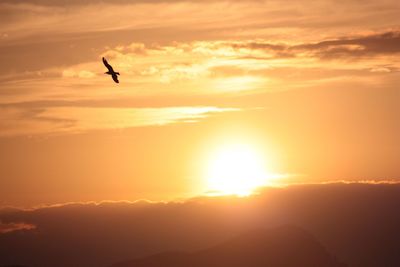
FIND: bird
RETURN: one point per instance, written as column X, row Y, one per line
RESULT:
column 111, row 71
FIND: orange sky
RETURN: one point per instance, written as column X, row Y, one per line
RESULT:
column 311, row 85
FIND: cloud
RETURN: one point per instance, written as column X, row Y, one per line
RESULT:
column 185, row 50
column 370, row 45
column 277, row 20
column 355, row 47
column 12, row 227
column 80, row 74
column 41, row 34
column 236, row 57
column 263, row 64
column 91, row 2
column 170, row 83
column 162, row 82
column 67, row 120
column 90, row 234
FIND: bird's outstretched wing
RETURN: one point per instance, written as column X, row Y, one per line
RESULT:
column 115, row 78
column 107, row 65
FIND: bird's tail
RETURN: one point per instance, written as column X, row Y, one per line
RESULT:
column 117, row 73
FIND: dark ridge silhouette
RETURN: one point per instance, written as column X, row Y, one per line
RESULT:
column 280, row 247
column 111, row 71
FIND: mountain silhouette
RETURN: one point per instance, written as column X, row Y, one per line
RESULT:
column 285, row 246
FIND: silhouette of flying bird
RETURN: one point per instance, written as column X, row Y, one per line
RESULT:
column 111, row 71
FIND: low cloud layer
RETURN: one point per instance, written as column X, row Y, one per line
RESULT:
column 312, row 83
column 346, row 218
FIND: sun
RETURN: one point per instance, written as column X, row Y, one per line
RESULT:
column 236, row 170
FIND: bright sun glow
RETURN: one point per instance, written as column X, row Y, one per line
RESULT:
column 236, row 170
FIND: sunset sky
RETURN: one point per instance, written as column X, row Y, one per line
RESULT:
column 293, row 91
